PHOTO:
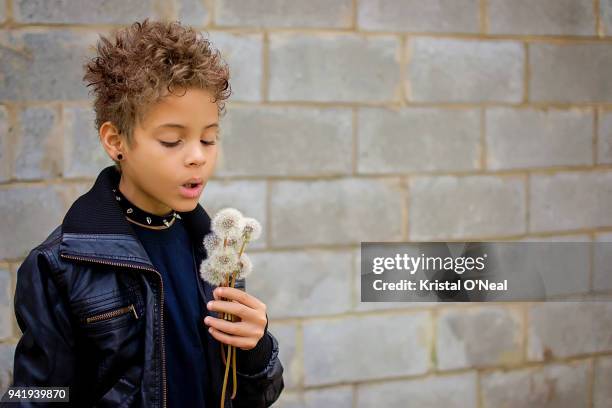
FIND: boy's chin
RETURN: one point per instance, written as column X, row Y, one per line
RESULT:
column 186, row 206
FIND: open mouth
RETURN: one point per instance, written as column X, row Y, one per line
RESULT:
column 191, row 190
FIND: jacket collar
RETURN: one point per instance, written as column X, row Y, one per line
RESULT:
column 95, row 227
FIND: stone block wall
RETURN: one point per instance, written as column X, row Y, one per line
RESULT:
column 351, row 121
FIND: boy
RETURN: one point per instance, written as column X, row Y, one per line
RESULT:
column 111, row 304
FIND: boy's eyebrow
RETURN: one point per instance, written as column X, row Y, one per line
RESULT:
column 178, row 125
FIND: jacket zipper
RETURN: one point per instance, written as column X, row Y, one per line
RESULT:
column 126, row 265
column 112, row 314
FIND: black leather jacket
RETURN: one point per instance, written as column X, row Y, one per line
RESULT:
column 88, row 301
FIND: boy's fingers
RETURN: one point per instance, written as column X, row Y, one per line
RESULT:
column 227, row 327
column 234, row 308
column 237, row 341
column 240, row 296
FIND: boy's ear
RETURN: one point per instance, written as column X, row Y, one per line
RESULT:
column 111, row 140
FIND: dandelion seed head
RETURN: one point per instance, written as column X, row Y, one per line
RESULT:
column 225, row 260
column 227, row 223
column 210, row 274
column 251, row 228
column 212, row 241
column 230, row 232
column 232, row 242
column 246, row 266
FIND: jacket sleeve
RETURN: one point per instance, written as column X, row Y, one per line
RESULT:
column 44, row 355
column 261, row 389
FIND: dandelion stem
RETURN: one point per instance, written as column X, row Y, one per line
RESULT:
column 229, row 361
column 246, row 240
column 231, row 350
column 235, row 379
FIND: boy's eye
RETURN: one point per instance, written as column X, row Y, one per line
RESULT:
column 172, row 144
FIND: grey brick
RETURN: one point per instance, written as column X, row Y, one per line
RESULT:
column 337, row 397
column 318, row 281
column 84, row 155
column 570, row 200
column 335, row 211
column 71, row 191
column 286, row 141
column 6, row 143
column 419, row 139
column 564, row 329
column 602, row 392
column 447, row 16
column 452, row 391
column 82, row 12
column 487, row 336
column 6, row 304
column 44, row 65
column 38, row 148
column 289, row 355
column 526, row 138
column 452, row 70
column 340, row 397
column 30, row 214
column 570, row 72
column 244, row 55
column 334, row 68
column 604, row 141
column 193, row 12
column 462, row 207
column 551, row 386
column 290, row 399
column 565, row 269
column 284, row 13
column 7, row 352
column 249, row 197
column 602, row 268
column 541, row 17
column 605, row 7
column 366, row 347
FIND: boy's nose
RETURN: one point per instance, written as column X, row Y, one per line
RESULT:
column 196, row 156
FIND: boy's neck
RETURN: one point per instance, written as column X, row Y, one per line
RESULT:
column 140, row 199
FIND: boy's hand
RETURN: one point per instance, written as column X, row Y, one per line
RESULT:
column 249, row 312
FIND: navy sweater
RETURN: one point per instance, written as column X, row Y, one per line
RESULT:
column 170, row 252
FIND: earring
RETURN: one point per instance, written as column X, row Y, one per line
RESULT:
column 119, row 156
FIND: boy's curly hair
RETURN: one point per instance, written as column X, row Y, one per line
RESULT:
column 136, row 67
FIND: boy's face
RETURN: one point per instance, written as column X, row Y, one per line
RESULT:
column 176, row 141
